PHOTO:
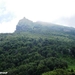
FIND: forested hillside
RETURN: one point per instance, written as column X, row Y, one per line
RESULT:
column 38, row 48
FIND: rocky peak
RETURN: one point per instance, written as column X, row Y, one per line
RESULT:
column 24, row 25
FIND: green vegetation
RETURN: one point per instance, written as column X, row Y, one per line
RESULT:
column 60, row 72
column 38, row 50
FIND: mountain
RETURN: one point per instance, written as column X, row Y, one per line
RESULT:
column 25, row 25
column 38, row 48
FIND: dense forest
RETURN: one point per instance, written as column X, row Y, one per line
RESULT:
column 38, row 49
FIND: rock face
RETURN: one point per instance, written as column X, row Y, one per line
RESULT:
column 25, row 25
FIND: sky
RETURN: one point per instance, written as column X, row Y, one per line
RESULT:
column 53, row 11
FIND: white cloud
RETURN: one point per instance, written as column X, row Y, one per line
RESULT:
column 8, row 27
column 47, row 10
column 43, row 10
column 70, row 21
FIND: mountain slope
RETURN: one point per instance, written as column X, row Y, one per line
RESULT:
column 37, row 47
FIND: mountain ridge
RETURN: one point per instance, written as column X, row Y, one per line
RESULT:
column 25, row 25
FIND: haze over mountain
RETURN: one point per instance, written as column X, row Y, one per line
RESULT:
column 66, row 21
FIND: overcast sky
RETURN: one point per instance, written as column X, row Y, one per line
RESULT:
column 11, row 11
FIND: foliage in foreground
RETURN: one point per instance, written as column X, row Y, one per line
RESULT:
column 60, row 72
column 22, row 55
